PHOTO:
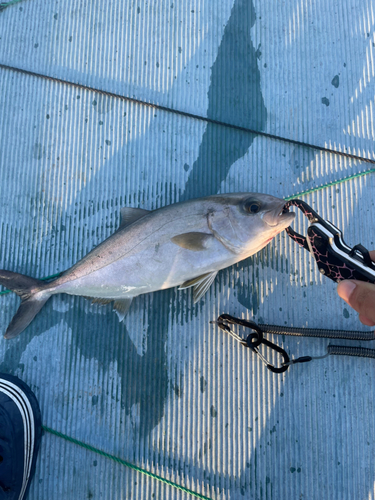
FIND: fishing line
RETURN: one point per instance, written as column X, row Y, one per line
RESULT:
column 123, row 462
column 188, row 115
column 330, row 184
column 4, row 5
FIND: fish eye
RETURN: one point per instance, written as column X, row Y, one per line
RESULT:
column 252, row 206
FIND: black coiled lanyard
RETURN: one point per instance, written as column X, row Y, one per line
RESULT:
column 255, row 339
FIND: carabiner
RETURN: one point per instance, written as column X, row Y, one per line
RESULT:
column 223, row 322
column 253, row 340
column 284, row 366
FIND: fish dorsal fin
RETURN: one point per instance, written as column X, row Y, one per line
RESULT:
column 121, row 307
column 130, row 215
column 201, row 284
column 193, row 241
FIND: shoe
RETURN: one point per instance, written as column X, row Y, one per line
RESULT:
column 20, row 435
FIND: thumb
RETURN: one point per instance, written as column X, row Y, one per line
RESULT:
column 361, row 297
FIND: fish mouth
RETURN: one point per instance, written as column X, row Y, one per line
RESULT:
column 280, row 217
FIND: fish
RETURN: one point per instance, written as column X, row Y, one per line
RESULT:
column 184, row 244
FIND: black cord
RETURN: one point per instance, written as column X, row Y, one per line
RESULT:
column 346, row 350
column 317, row 332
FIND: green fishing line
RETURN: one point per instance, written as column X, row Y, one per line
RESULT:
column 4, row 5
column 123, row 462
column 330, row 184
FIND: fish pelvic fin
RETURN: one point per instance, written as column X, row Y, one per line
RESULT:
column 201, row 284
column 32, row 300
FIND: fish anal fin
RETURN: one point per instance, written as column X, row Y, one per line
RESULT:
column 98, row 300
column 193, row 241
column 121, row 306
column 130, row 215
column 201, row 284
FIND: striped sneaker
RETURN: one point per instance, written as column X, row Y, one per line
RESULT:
column 20, row 435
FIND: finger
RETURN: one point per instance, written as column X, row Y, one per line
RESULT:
column 360, row 296
column 372, row 255
column 366, row 321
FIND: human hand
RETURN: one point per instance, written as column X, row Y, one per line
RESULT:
column 360, row 296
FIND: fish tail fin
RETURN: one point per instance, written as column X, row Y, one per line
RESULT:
column 32, row 300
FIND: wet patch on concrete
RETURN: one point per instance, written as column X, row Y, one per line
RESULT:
column 234, row 97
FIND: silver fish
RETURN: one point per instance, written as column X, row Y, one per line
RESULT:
column 184, row 245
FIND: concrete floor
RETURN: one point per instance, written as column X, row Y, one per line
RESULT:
column 165, row 390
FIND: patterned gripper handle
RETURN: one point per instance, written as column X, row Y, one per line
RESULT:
column 298, row 238
column 330, row 265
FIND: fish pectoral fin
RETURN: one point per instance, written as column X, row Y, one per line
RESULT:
column 130, row 215
column 121, row 307
column 193, row 241
column 201, row 284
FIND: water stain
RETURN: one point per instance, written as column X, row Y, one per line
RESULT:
column 247, row 292
column 336, row 81
column 301, row 158
column 38, row 151
column 248, row 296
column 144, row 379
column 207, row 445
column 100, row 336
column 102, row 104
column 234, row 97
column 294, row 469
column 203, row 384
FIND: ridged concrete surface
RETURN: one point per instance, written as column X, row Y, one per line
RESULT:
column 166, row 390
column 303, row 70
